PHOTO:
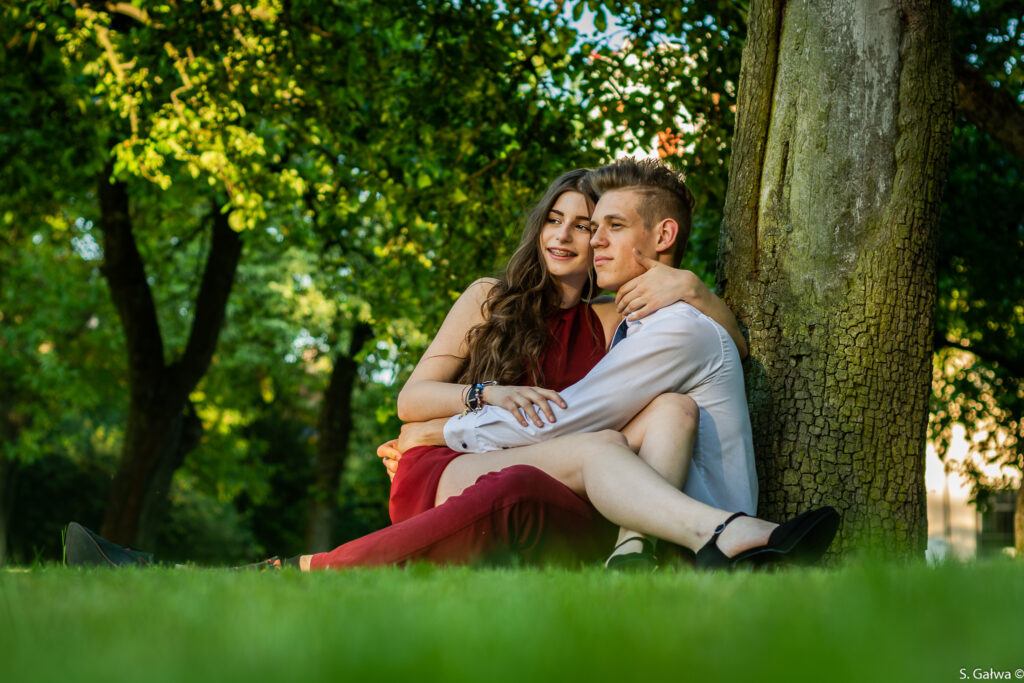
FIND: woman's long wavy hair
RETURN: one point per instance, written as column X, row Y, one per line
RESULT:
column 515, row 331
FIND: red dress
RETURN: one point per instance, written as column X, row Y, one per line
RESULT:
column 575, row 346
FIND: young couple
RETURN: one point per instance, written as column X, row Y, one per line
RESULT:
column 559, row 416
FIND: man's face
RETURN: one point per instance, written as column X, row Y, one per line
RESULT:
column 618, row 229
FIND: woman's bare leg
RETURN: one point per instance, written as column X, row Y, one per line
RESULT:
column 663, row 435
column 623, row 488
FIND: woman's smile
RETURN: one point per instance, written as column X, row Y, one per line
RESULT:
column 562, row 254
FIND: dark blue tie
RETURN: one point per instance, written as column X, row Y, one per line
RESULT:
column 620, row 334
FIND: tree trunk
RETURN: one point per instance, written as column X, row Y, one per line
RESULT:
column 10, row 430
column 162, row 427
column 334, row 427
column 7, row 473
column 157, row 440
column 844, row 119
column 1018, row 523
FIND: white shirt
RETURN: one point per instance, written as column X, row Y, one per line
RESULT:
column 676, row 349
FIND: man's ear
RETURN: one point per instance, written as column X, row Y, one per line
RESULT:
column 668, row 231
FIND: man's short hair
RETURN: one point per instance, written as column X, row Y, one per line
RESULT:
column 664, row 193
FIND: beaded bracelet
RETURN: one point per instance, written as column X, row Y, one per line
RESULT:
column 474, row 400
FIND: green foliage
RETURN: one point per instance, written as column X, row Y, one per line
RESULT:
column 989, row 36
column 59, row 344
column 50, row 133
column 667, row 81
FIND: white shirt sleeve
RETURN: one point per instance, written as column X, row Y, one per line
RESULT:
column 666, row 352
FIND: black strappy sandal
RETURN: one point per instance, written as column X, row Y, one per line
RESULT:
column 802, row 541
column 643, row 561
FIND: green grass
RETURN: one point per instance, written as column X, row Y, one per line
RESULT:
column 870, row 622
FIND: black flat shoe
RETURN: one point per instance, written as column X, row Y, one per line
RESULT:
column 802, row 541
column 643, row 561
column 84, row 548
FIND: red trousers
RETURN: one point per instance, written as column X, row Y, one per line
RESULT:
column 517, row 514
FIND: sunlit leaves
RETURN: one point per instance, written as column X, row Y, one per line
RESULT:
column 667, row 82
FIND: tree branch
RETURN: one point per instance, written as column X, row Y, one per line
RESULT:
column 211, row 302
column 127, row 9
column 126, row 277
column 992, row 110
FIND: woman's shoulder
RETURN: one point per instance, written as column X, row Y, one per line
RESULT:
column 476, row 293
column 609, row 318
column 604, row 307
column 471, row 302
column 480, row 288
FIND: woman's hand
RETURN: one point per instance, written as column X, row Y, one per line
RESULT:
column 390, row 455
column 520, row 400
column 429, row 433
column 660, row 286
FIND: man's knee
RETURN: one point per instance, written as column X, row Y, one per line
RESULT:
column 678, row 407
column 607, row 436
column 583, row 443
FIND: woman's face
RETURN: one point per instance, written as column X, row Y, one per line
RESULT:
column 565, row 238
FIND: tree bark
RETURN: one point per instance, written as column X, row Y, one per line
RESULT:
column 334, row 427
column 844, row 118
column 162, row 427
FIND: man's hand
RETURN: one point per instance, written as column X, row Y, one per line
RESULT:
column 429, row 433
column 660, row 286
column 390, row 455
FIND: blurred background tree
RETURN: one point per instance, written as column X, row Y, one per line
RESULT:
column 978, row 374
column 372, row 158
column 369, row 160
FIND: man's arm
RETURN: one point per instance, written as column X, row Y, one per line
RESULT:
column 662, row 285
column 673, row 353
